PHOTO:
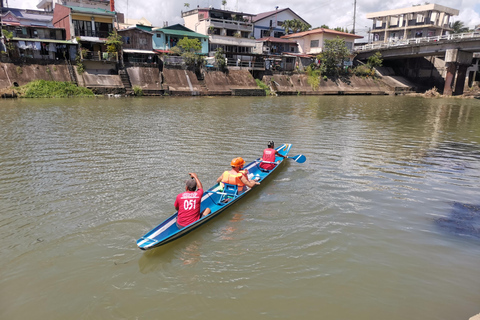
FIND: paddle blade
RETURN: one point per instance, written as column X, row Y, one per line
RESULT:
column 300, row 158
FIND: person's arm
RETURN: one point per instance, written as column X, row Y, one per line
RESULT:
column 280, row 155
column 248, row 183
column 194, row 176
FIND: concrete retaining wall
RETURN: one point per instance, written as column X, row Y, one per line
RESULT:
column 298, row 84
column 25, row 73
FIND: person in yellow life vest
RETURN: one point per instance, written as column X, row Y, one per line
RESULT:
column 237, row 176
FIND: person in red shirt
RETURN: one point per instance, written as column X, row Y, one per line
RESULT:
column 188, row 203
column 269, row 155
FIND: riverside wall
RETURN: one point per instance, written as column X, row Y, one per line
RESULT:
column 179, row 82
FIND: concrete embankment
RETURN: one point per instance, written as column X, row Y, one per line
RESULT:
column 298, row 84
column 185, row 82
column 21, row 74
column 233, row 82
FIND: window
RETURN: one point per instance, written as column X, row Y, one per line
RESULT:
column 314, row 44
column 82, row 28
column 142, row 41
column 265, row 33
column 159, row 35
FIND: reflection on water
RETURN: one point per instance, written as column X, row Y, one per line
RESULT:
column 463, row 220
column 366, row 222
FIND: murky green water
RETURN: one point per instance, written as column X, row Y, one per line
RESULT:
column 381, row 222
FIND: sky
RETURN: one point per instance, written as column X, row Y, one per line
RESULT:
column 315, row 12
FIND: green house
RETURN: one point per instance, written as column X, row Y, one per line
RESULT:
column 166, row 38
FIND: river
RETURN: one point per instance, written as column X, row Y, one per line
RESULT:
column 381, row 222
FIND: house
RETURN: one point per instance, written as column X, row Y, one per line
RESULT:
column 270, row 24
column 227, row 30
column 419, row 21
column 312, row 42
column 275, row 46
column 34, row 36
column 137, row 46
column 89, row 26
column 166, row 38
column 142, row 23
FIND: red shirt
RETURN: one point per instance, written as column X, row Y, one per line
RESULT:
column 188, row 204
column 268, row 155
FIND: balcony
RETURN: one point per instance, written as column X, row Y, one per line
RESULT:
column 230, row 24
column 98, row 56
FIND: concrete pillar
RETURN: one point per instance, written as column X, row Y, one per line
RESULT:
column 454, row 57
column 451, row 68
column 460, row 82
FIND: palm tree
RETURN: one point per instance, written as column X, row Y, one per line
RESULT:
column 459, row 27
column 224, row 3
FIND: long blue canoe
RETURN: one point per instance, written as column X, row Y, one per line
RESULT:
column 214, row 198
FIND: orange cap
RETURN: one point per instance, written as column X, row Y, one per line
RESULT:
column 237, row 162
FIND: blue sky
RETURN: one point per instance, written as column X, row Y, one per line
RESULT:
column 316, row 12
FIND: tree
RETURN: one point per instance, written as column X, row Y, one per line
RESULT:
column 224, row 3
column 375, row 60
column 324, row 26
column 295, row 26
column 459, row 27
column 189, row 49
column 189, row 45
column 335, row 52
column 114, row 42
column 220, row 59
column 186, row 5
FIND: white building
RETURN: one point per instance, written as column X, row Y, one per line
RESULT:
column 312, row 42
column 228, row 30
column 419, row 21
column 270, row 24
column 49, row 5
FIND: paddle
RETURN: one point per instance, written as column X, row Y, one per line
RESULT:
column 300, row 158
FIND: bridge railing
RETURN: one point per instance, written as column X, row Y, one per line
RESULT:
column 405, row 42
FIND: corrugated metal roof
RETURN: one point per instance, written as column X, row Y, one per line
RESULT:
column 91, row 10
column 181, row 33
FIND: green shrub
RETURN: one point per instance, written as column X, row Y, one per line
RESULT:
column 263, row 86
column 53, row 89
column 137, row 91
column 363, row 71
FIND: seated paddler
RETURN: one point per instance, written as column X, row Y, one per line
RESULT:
column 237, row 176
column 269, row 155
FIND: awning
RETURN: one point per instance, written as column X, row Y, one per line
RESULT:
column 139, row 51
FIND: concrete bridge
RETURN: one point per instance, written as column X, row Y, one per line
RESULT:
column 456, row 49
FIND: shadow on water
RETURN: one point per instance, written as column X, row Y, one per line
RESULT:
column 464, row 220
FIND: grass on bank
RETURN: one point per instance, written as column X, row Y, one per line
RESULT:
column 263, row 86
column 52, row 89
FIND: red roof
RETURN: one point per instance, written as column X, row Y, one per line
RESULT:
column 320, row 30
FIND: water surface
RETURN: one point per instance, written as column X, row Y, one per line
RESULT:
column 382, row 221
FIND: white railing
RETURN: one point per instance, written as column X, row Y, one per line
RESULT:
column 404, row 42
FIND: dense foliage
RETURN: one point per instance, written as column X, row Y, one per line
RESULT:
column 335, row 52
column 295, row 25
column 114, row 42
column 189, row 49
column 263, row 86
column 52, row 89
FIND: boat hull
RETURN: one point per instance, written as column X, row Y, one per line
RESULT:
column 167, row 231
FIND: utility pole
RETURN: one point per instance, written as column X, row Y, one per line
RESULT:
column 354, row 14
